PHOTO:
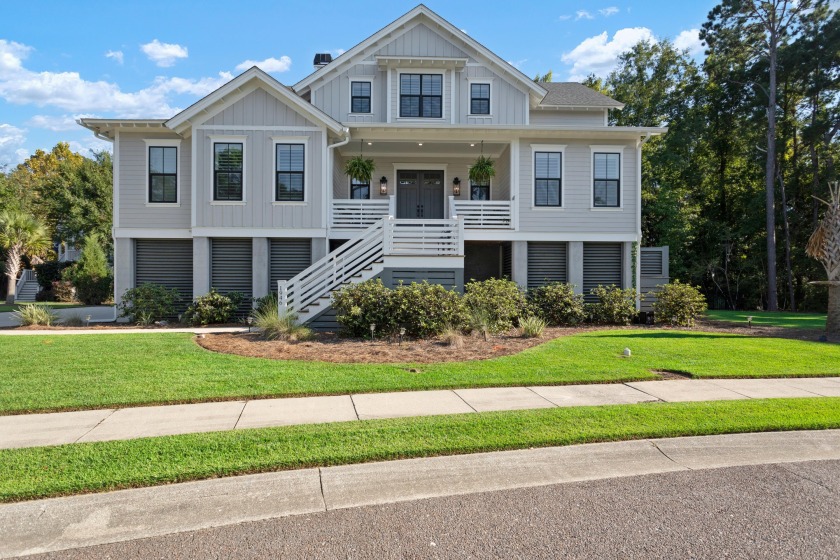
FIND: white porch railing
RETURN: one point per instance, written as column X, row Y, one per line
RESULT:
column 424, row 237
column 28, row 275
column 482, row 214
column 361, row 214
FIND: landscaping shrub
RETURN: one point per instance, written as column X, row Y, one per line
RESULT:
column 213, row 307
column 90, row 275
column 275, row 326
column 678, row 304
column 32, row 314
column 74, row 320
column 426, row 309
column 357, row 306
column 148, row 303
column 452, row 337
column 45, row 295
column 557, row 304
column 503, row 301
column 92, row 290
column 263, row 303
column 49, row 272
column 479, row 320
column 531, row 327
column 64, row 291
column 615, row 306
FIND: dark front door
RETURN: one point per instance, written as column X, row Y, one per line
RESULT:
column 420, row 194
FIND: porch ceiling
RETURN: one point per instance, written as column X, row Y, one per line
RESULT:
column 429, row 148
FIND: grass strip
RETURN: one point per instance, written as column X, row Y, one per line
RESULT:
column 770, row 318
column 49, row 373
column 95, row 467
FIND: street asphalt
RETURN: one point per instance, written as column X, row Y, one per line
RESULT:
column 777, row 511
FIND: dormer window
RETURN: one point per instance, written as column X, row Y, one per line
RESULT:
column 479, row 99
column 360, row 97
column 421, row 95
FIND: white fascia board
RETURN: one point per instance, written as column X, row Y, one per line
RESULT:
column 511, row 235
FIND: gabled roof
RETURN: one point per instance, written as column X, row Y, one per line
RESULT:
column 573, row 94
column 422, row 11
column 236, row 85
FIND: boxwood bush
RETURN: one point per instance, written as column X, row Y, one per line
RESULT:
column 557, row 304
column 502, row 301
column 615, row 306
column 427, row 309
column 678, row 304
column 213, row 308
column 357, row 306
column 149, row 302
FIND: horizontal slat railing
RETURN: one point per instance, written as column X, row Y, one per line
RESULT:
column 27, row 275
column 483, row 214
column 359, row 214
column 424, row 237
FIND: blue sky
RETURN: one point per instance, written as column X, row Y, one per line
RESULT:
column 60, row 60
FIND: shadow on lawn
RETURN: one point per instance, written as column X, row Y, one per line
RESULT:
column 662, row 334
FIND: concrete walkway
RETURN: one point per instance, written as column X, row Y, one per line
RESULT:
column 32, row 430
column 86, row 520
column 59, row 332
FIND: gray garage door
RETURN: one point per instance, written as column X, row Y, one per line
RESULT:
column 287, row 258
column 547, row 263
column 230, row 268
column 601, row 266
column 168, row 262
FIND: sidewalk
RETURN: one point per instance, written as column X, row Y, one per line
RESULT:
column 86, row 520
column 59, row 332
column 32, row 430
column 98, row 314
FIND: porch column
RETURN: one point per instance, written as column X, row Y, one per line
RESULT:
column 320, row 248
column 201, row 266
column 575, row 265
column 519, row 263
column 123, row 266
column 627, row 264
column 259, row 266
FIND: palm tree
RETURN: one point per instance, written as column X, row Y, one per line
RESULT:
column 20, row 234
column 824, row 246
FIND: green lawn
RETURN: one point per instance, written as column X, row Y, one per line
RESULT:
column 55, row 305
column 771, row 318
column 89, row 467
column 40, row 373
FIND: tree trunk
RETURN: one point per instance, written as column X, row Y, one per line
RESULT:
column 770, row 180
column 10, row 289
column 786, row 225
column 12, row 268
column 832, row 323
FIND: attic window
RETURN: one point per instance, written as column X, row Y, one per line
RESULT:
column 479, row 99
column 360, row 97
column 421, row 95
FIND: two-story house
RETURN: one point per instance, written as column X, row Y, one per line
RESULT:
column 245, row 190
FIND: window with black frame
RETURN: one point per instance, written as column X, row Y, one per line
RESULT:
column 479, row 99
column 360, row 97
column 606, row 179
column 163, row 174
column 290, row 173
column 421, row 95
column 227, row 171
column 480, row 191
column 547, row 177
column 359, row 190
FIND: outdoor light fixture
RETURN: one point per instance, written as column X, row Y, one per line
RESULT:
column 749, row 321
column 250, row 321
column 372, row 330
column 456, row 186
column 383, row 185
column 402, row 333
column 87, row 320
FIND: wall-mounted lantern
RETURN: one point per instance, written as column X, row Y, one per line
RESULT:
column 383, row 186
column 456, row 186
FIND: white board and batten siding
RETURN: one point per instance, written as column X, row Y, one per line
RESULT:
column 258, row 120
column 544, row 117
column 134, row 209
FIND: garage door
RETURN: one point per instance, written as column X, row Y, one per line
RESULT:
column 601, row 266
column 287, row 258
column 168, row 262
column 230, row 268
column 547, row 263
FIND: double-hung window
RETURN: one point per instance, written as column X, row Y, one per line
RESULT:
column 606, row 180
column 480, row 191
column 227, row 171
column 479, row 99
column 421, row 95
column 163, row 174
column 360, row 97
column 359, row 190
column 547, row 178
column 289, row 182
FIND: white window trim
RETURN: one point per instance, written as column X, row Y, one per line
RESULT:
column 444, row 73
column 221, row 139
column 593, row 149
column 470, row 82
column 350, row 80
column 561, row 148
column 169, row 143
column 307, row 169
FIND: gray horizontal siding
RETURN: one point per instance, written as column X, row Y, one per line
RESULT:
column 567, row 118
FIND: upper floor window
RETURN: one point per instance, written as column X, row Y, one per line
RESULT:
column 479, row 99
column 421, row 95
column 163, row 174
column 227, row 171
column 290, row 172
column 606, row 180
column 360, row 97
column 359, row 190
column 547, row 178
column 479, row 191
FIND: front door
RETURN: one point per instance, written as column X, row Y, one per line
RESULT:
column 420, row 194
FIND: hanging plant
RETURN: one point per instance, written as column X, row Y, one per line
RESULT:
column 482, row 171
column 359, row 168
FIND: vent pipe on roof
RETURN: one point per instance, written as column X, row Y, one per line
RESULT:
column 321, row 60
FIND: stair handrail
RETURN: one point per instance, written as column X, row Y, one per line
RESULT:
column 27, row 275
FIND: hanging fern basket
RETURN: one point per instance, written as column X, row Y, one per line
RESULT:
column 482, row 171
column 360, row 169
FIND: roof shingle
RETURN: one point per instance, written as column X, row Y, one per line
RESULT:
column 573, row 94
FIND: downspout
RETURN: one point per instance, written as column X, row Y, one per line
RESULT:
column 329, row 180
column 638, row 257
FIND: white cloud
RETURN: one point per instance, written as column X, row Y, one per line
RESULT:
column 607, row 12
column 58, row 123
column 11, row 142
column 87, row 146
column 564, row 17
column 599, row 54
column 583, row 14
column 70, row 92
column 116, row 55
column 689, row 40
column 164, row 54
column 270, row 65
